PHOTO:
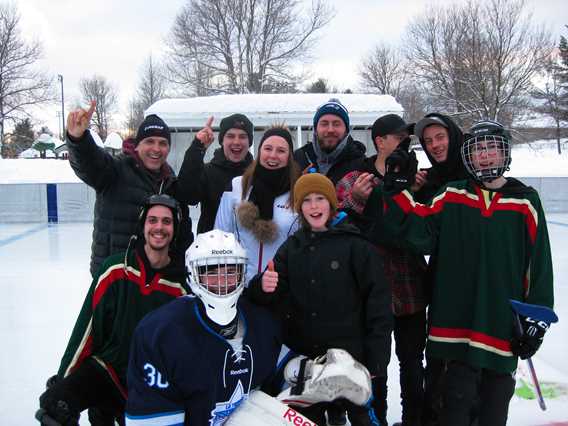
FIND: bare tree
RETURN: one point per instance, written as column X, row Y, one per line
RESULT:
column 134, row 116
column 242, row 46
column 21, row 84
column 152, row 87
column 384, row 70
column 478, row 58
column 549, row 96
column 99, row 89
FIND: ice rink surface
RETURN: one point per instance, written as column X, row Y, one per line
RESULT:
column 44, row 276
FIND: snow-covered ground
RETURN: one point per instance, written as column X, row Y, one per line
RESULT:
column 45, row 275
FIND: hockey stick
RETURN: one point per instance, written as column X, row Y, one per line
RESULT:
column 534, row 378
column 540, row 313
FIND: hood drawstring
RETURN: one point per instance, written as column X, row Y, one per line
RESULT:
column 132, row 238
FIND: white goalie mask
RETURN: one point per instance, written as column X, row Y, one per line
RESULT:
column 216, row 267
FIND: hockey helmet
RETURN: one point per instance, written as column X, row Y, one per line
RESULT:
column 216, row 266
column 159, row 200
column 486, row 151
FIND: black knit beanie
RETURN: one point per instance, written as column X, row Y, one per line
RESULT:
column 236, row 121
column 153, row 126
column 277, row 131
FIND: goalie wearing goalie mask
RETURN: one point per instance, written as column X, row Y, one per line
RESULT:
column 202, row 356
column 490, row 234
column 194, row 361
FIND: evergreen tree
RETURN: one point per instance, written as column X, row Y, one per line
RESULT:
column 21, row 139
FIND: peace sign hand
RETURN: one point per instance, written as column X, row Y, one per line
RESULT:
column 78, row 121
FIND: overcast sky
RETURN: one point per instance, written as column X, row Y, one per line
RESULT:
column 114, row 37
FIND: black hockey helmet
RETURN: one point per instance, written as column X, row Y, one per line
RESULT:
column 491, row 138
column 159, row 200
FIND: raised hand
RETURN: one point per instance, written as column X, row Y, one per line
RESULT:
column 269, row 278
column 78, row 121
column 363, row 187
column 401, row 167
column 420, row 179
column 206, row 135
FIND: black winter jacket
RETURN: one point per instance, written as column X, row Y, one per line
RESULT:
column 331, row 293
column 351, row 158
column 122, row 184
column 205, row 183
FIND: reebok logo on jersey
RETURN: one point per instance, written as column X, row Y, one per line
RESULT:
column 237, row 372
column 223, row 251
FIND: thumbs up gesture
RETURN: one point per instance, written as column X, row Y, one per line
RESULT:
column 206, row 135
column 269, row 278
column 79, row 120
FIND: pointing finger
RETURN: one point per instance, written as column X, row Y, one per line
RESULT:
column 92, row 107
column 209, row 122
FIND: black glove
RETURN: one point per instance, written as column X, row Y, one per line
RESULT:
column 526, row 343
column 57, row 413
column 401, row 167
column 52, row 381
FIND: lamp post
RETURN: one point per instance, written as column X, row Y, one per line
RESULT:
column 58, row 114
column 60, row 78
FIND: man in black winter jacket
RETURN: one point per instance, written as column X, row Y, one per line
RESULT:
column 205, row 183
column 123, row 183
column 333, row 152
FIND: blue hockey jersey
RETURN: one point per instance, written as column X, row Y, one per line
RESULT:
column 181, row 372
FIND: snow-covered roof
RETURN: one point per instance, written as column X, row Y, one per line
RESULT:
column 45, row 138
column 265, row 109
column 113, row 141
column 34, row 153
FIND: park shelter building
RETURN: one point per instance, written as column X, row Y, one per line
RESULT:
column 187, row 116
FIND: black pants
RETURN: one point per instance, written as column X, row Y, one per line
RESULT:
column 466, row 386
column 87, row 387
column 434, row 383
column 358, row 415
column 410, row 341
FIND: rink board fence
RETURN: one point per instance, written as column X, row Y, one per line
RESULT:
column 74, row 202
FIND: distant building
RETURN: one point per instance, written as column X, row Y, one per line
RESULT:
column 187, row 116
column 113, row 143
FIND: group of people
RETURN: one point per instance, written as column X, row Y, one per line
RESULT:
column 298, row 252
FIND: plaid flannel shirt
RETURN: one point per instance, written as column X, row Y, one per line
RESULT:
column 404, row 270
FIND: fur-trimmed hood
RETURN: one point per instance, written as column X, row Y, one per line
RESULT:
column 263, row 230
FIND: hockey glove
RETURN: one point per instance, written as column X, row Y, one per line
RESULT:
column 526, row 343
column 401, row 167
column 53, row 380
column 57, row 413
